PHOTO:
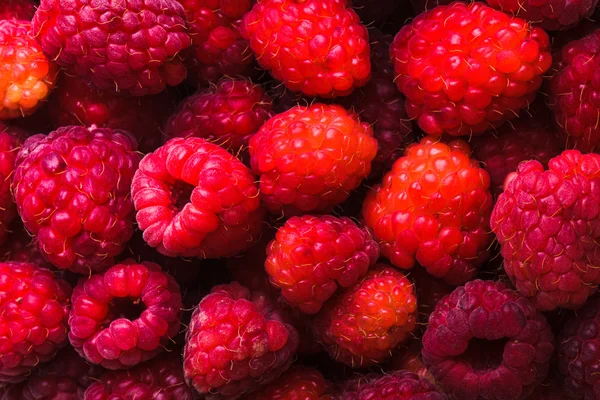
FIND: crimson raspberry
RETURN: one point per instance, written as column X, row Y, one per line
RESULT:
column 433, row 208
column 317, row 47
column 193, row 198
column 297, row 383
column 485, row 341
column 10, row 140
column 466, row 68
column 309, row 159
column 131, row 47
column 236, row 341
column 17, row 9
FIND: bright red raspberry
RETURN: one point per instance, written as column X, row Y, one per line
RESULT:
column 130, row 47
column 33, row 318
column 309, row 159
column 72, row 190
column 236, row 341
column 433, row 208
column 17, row 9
column 485, row 341
column 466, row 68
column 297, row 383
column 124, row 316
column 317, row 47
column 399, row 385
column 311, row 257
column 194, row 199
column 548, row 224
column 362, row 325
column 11, row 139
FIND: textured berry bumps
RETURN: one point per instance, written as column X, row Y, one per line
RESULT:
column 193, row 198
column 292, row 41
column 297, row 383
column 17, row 9
column 466, row 68
column 433, row 208
column 10, row 140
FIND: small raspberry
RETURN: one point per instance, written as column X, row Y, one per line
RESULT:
column 236, row 342
column 362, row 325
column 10, row 141
column 297, row 383
column 309, row 159
column 193, row 198
column 433, row 208
column 317, row 47
column 466, row 68
column 17, row 9
column 131, row 47
column 125, row 315
column 485, row 341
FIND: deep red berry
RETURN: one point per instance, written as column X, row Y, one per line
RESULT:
column 297, row 383
column 10, row 140
column 22, row 247
column 17, row 9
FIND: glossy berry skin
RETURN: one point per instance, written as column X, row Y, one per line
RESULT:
column 72, row 190
column 309, row 159
column 125, row 315
column 433, row 208
column 130, row 47
column 547, row 224
column 293, row 42
column 297, row 383
column 17, row 9
column 194, row 199
column 485, row 341
column 362, row 325
column 465, row 68
column 33, row 318
column 10, row 140
column 236, row 342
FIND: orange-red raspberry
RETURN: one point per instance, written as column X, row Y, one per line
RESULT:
column 297, row 383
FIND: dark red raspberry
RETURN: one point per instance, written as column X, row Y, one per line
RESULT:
column 362, row 325
column 466, row 68
column 485, row 341
column 17, row 9
column 410, row 359
column 10, row 141
column 317, row 47
column 22, row 247
column 309, row 159
column 193, row 198
column 33, row 318
column 236, row 342
column 548, row 224
column 550, row 389
column 131, row 47
column 297, row 383
column 433, row 208
column 72, row 190
column 125, row 315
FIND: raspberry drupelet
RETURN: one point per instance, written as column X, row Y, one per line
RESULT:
column 17, row 9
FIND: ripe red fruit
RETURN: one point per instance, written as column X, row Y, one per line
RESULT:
column 125, row 315
column 297, row 383
column 309, row 159
column 466, row 68
column 547, row 224
column 294, row 43
column 72, row 190
column 194, row 199
column 485, row 341
column 433, row 208
column 399, row 385
column 236, row 341
column 131, row 47
column 17, row 9
column 22, row 247
column 10, row 140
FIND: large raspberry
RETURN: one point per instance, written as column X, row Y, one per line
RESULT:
column 294, row 43
column 297, row 383
column 485, row 341
column 309, row 159
column 362, row 325
column 466, row 68
column 10, row 141
column 236, row 341
column 72, row 190
column 17, row 9
column 433, row 208
column 33, row 318
column 131, row 47
column 548, row 224
column 193, row 198
column 125, row 315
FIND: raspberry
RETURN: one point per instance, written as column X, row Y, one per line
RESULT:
column 433, row 208
column 466, row 68
column 311, row 256
column 317, row 47
column 10, row 141
column 297, row 383
column 193, row 198
column 547, row 224
column 22, row 247
column 410, row 359
column 361, row 326
column 72, row 190
column 236, row 341
column 33, row 318
column 17, row 9
column 484, row 341
column 309, row 159
column 125, row 315
column 131, row 47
